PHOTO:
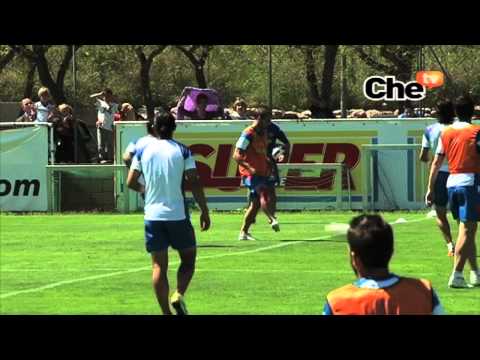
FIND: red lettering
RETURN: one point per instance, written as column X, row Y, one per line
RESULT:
column 219, row 178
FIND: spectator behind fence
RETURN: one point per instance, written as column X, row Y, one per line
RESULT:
column 407, row 113
column 377, row 291
column 107, row 107
column 127, row 113
column 199, row 104
column 239, row 110
column 28, row 112
column 68, row 131
column 44, row 108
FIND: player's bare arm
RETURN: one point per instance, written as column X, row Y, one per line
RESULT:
column 193, row 179
column 127, row 158
column 436, row 165
column 424, row 156
column 132, row 181
column 239, row 156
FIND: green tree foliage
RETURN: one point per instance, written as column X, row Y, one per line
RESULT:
column 234, row 70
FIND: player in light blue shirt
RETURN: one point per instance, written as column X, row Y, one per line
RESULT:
column 166, row 164
column 446, row 116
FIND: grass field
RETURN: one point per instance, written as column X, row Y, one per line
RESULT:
column 96, row 264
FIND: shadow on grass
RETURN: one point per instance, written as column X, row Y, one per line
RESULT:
column 215, row 246
column 336, row 239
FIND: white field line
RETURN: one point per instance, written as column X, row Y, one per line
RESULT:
column 144, row 268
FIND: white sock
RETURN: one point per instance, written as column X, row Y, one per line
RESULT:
column 458, row 274
column 450, row 246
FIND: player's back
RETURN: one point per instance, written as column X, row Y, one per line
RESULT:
column 431, row 138
column 394, row 296
column 459, row 142
column 163, row 165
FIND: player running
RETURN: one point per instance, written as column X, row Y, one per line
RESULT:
column 460, row 144
column 446, row 115
column 165, row 164
column 251, row 156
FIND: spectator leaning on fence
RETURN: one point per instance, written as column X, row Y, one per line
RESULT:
column 107, row 108
column 44, row 108
column 28, row 111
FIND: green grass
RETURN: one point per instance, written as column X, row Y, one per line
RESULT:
column 286, row 273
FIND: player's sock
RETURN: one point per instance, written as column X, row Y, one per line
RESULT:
column 451, row 249
column 475, row 277
column 178, row 303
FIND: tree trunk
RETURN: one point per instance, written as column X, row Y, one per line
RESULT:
column 328, row 72
column 47, row 80
column 6, row 59
column 200, row 75
column 312, row 80
column 30, row 82
column 146, row 89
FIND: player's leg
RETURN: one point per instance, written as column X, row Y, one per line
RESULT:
column 157, row 246
column 463, row 208
column 441, row 201
column 265, row 203
column 252, row 210
column 160, row 279
column 182, row 239
column 249, row 218
column 444, row 226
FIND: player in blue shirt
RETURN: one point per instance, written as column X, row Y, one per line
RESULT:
column 165, row 164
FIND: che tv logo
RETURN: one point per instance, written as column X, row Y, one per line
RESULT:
column 388, row 88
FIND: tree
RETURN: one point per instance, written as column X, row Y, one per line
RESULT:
column 37, row 55
column 400, row 59
column 323, row 96
column 6, row 56
column 198, row 55
column 146, row 59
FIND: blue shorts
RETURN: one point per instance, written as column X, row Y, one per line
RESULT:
column 440, row 190
column 254, row 184
column 159, row 235
column 465, row 202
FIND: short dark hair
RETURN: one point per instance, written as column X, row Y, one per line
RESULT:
column 108, row 91
column 464, row 107
column 445, row 111
column 263, row 111
column 164, row 124
column 371, row 239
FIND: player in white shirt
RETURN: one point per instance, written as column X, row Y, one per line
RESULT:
column 165, row 164
column 446, row 116
column 138, row 146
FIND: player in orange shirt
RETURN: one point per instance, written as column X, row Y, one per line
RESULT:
column 377, row 291
column 251, row 156
column 460, row 144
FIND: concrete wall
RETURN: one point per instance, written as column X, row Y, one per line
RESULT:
column 87, row 193
column 9, row 111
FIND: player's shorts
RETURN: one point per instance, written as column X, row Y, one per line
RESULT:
column 159, row 235
column 254, row 184
column 440, row 190
column 465, row 202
